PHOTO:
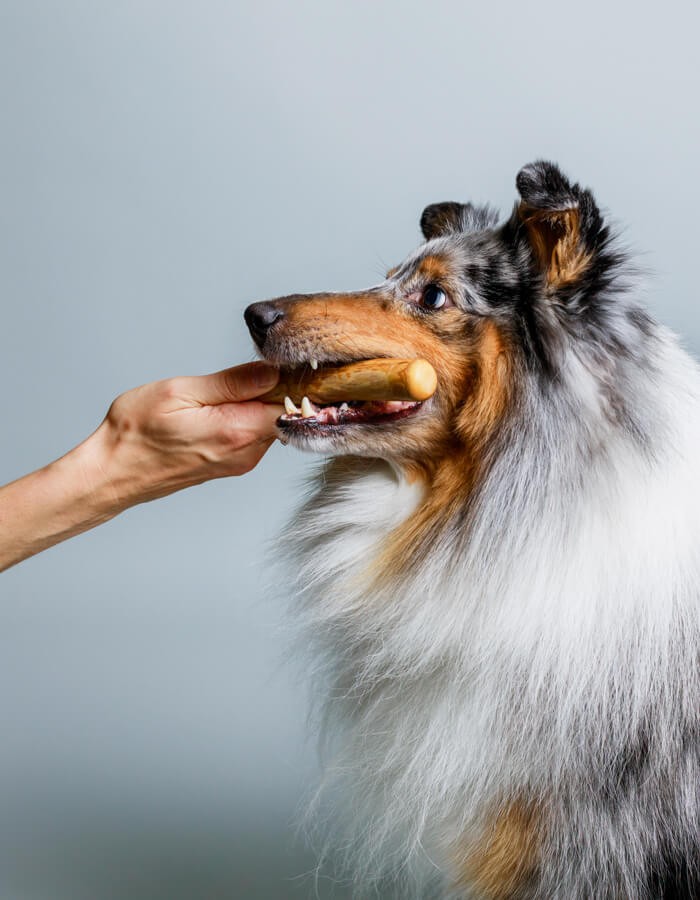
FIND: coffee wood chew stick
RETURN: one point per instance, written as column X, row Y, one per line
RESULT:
column 370, row 379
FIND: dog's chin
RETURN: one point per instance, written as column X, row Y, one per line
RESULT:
column 376, row 428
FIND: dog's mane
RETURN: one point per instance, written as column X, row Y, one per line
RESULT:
column 502, row 660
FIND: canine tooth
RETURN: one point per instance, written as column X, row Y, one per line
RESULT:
column 290, row 407
column 344, row 407
column 306, row 409
column 314, row 364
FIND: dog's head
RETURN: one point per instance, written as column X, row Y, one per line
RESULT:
column 484, row 303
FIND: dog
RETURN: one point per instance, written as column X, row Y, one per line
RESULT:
column 502, row 583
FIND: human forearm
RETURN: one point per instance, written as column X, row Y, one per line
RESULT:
column 63, row 499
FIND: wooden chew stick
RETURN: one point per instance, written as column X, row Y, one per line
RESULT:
column 370, row 379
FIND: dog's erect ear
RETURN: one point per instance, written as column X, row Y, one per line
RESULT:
column 440, row 219
column 561, row 220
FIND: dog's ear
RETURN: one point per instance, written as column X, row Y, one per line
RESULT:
column 562, row 223
column 440, row 219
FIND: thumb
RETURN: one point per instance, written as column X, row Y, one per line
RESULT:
column 232, row 385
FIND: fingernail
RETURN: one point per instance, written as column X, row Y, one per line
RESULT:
column 265, row 376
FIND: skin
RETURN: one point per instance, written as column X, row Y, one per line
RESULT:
column 154, row 440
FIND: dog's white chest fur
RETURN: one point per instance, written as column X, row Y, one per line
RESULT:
column 519, row 657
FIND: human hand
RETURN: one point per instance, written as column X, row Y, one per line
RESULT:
column 171, row 434
column 155, row 439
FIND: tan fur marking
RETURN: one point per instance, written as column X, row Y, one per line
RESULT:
column 434, row 269
column 555, row 239
column 339, row 322
column 451, row 471
column 487, row 402
column 506, row 856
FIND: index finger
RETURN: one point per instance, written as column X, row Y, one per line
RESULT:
column 231, row 385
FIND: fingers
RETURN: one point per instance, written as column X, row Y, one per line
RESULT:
column 250, row 422
column 248, row 431
column 230, row 385
column 252, row 457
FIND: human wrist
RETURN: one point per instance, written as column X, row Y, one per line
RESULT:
column 123, row 466
column 79, row 489
column 58, row 501
column 109, row 483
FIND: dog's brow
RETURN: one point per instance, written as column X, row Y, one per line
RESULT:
column 434, row 268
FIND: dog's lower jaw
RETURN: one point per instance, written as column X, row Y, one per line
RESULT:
column 407, row 436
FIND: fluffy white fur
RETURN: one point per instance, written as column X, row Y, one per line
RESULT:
column 536, row 645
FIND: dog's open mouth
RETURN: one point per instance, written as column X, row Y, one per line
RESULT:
column 353, row 412
column 333, row 415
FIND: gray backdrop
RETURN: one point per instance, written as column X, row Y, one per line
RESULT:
column 162, row 165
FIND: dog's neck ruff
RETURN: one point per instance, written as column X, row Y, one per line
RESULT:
column 536, row 636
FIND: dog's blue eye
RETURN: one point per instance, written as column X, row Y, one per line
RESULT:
column 433, row 297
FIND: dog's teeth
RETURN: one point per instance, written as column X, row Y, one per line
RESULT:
column 306, row 409
column 314, row 364
column 344, row 407
column 290, row 407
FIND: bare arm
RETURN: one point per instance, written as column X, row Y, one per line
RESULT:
column 155, row 439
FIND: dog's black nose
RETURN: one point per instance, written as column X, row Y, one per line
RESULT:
column 260, row 317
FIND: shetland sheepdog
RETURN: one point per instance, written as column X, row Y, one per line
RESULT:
column 502, row 583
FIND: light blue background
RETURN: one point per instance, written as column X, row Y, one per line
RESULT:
column 163, row 164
